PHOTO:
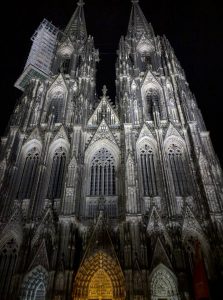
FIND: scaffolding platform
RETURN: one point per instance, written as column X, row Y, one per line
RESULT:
column 41, row 55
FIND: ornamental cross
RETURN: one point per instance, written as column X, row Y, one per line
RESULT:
column 104, row 90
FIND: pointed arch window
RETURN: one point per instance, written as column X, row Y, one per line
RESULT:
column 103, row 173
column 8, row 258
column 34, row 285
column 28, row 174
column 163, row 284
column 66, row 65
column 57, row 106
column 152, row 101
column 146, row 60
column 40, row 292
column 147, row 162
column 57, row 174
column 177, row 163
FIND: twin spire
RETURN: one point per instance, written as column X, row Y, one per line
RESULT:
column 76, row 28
column 138, row 23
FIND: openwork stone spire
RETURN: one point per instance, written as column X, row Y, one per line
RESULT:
column 138, row 23
column 76, row 28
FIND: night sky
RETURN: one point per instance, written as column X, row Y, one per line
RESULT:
column 194, row 29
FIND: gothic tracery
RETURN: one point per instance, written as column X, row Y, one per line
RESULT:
column 108, row 199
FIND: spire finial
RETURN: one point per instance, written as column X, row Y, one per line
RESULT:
column 80, row 3
column 104, row 90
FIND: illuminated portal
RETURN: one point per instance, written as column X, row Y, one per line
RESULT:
column 100, row 286
column 99, row 277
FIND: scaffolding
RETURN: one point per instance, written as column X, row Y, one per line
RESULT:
column 41, row 55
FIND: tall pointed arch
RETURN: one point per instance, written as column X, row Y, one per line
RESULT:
column 57, row 174
column 152, row 101
column 103, row 174
column 56, row 100
column 178, row 165
column 147, row 157
column 28, row 167
column 163, row 284
column 35, row 284
column 105, row 155
column 99, row 277
column 153, row 96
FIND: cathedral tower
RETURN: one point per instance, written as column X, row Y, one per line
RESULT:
column 104, row 201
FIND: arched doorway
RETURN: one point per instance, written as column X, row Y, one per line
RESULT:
column 99, row 278
column 35, row 284
column 163, row 284
column 100, row 286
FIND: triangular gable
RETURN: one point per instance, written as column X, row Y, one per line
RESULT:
column 35, row 135
column 41, row 257
column 73, row 162
column 172, row 131
column 107, row 108
column 151, row 80
column 103, row 132
column 160, row 255
column 48, row 219
column 145, row 132
column 61, row 134
column 190, row 222
column 156, row 225
column 136, row 264
column 100, row 240
column 13, row 227
column 58, row 83
column 100, row 255
column 130, row 159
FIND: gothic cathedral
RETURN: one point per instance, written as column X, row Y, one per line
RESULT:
column 104, row 199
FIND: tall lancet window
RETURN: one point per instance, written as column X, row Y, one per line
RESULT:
column 147, row 162
column 179, row 170
column 57, row 174
column 102, row 178
column 153, row 101
column 29, row 173
column 8, row 258
column 146, row 61
column 57, row 106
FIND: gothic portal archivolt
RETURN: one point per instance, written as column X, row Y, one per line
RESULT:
column 99, row 277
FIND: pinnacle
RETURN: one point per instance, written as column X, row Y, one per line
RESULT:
column 80, row 3
column 104, row 90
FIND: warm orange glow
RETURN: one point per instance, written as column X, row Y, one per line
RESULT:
column 99, row 277
column 100, row 286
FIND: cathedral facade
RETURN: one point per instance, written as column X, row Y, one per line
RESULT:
column 101, row 200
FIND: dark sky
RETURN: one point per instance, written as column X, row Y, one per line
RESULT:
column 194, row 28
